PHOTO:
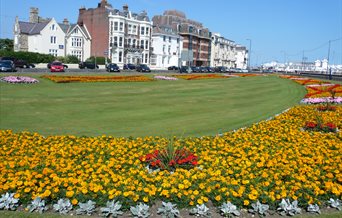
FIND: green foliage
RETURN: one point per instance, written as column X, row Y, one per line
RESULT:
column 30, row 57
column 71, row 59
column 99, row 60
column 6, row 44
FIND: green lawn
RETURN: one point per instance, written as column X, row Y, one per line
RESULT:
column 165, row 108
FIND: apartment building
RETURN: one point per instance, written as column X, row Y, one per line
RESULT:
column 222, row 51
column 166, row 48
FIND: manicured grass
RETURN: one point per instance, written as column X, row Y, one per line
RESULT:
column 165, row 108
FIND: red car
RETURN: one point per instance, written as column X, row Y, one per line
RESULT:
column 57, row 67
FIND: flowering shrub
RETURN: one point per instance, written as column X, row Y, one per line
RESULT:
column 326, row 107
column 165, row 78
column 18, row 79
column 68, row 79
column 313, row 126
column 170, row 158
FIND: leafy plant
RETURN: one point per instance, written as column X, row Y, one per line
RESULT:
column 335, row 203
column 86, row 208
column 170, row 158
column 259, row 208
column 140, row 211
column 63, row 206
column 288, row 208
column 112, row 208
column 37, row 205
column 9, row 202
column 168, row 210
column 228, row 210
column 200, row 210
column 313, row 208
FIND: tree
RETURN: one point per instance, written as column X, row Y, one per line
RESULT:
column 6, row 44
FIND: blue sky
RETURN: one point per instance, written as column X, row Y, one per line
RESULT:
column 279, row 29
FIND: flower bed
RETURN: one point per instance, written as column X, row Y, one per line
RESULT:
column 200, row 76
column 69, row 79
column 336, row 100
column 267, row 161
column 165, row 78
column 324, row 91
column 18, row 79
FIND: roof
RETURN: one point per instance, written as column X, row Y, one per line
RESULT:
column 31, row 28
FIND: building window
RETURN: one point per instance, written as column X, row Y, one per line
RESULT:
column 146, row 45
column 53, row 52
column 142, row 44
column 53, row 39
column 120, row 56
column 164, row 38
column 111, row 28
column 129, row 42
column 121, row 26
column 134, row 29
column 115, row 26
column 147, row 31
column 142, row 31
column 146, row 58
column 115, row 41
column 163, row 49
column 177, row 40
column 134, row 43
column 120, row 41
column 129, row 28
column 76, row 31
column 52, row 27
column 169, row 50
column 76, row 42
column 169, row 38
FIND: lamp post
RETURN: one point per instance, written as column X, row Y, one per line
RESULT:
column 249, row 53
column 328, row 61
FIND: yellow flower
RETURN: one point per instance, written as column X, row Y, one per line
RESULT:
column 74, row 201
column 199, row 201
column 246, row 202
column 69, row 194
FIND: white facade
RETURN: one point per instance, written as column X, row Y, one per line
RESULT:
column 50, row 37
column 129, row 38
column 167, row 49
column 50, row 40
column 241, row 55
column 222, row 52
column 78, row 42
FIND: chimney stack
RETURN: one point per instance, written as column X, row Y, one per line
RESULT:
column 125, row 8
column 65, row 21
column 34, row 15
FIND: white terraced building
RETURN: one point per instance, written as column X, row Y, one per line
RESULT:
column 129, row 37
column 166, row 48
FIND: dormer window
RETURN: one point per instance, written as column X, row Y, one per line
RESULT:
column 75, row 31
column 53, row 27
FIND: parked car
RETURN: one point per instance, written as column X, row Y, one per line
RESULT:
column 18, row 62
column 88, row 65
column 210, row 69
column 57, row 67
column 195, row 69
column 239, row 70
column 143, row 68
column 173, row 68
column 49, row 65
column 129, row 67
column 112, row 68
column 185, row 69
column 221, row 69
column 7, row 66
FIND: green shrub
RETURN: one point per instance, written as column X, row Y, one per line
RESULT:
column 99, row 60
column 30, row 57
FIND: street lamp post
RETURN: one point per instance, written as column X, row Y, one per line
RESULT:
column 249, row 53
column 328, row 61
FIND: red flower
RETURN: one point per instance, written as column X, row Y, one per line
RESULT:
column 310, row 125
